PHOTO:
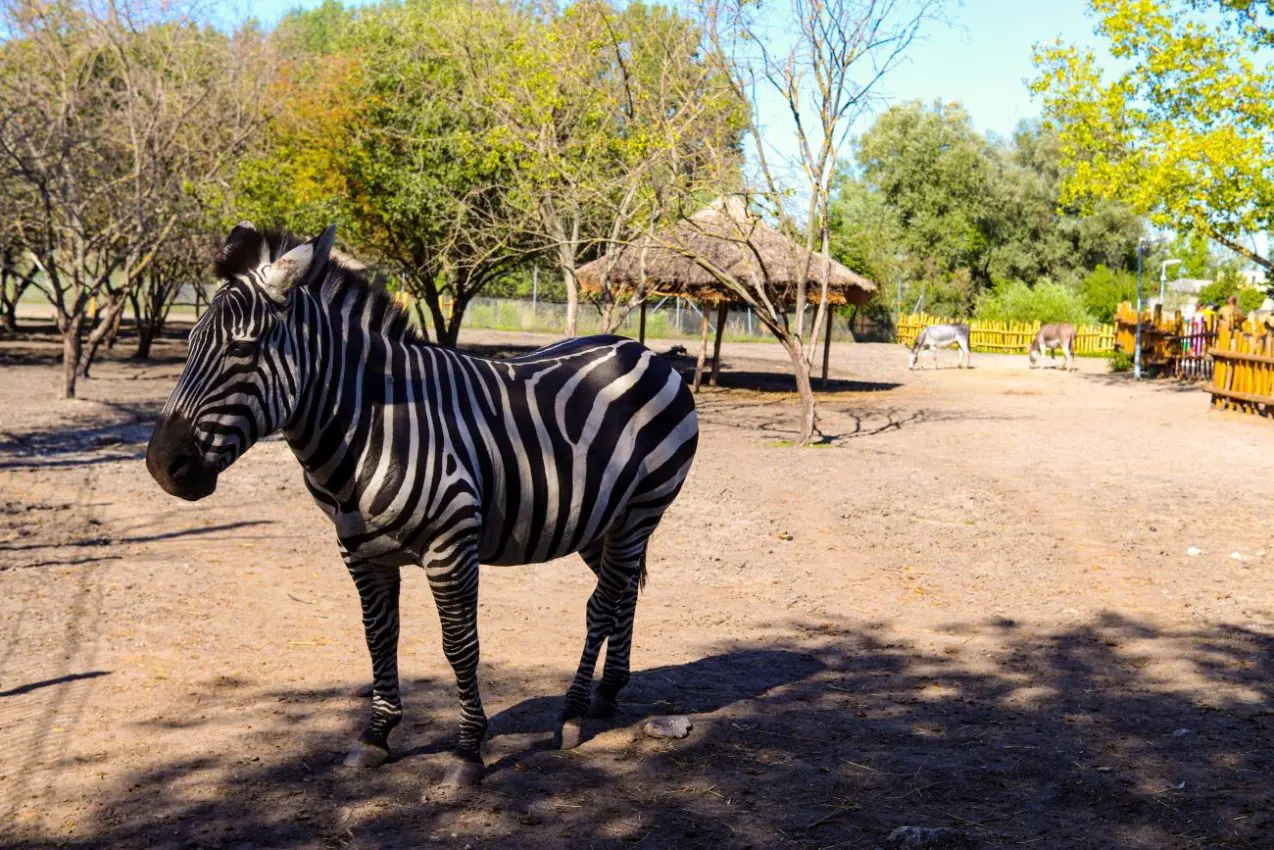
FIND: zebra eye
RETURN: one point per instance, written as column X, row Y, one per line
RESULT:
column 241, row 347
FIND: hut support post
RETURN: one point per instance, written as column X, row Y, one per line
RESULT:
column 641, row 327
column 723, row 313
column 703, row 346
column 827, row 345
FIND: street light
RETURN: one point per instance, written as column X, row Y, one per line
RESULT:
column 1142, row 244
column 1163, row 277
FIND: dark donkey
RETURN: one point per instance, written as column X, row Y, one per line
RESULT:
column 1059, row 335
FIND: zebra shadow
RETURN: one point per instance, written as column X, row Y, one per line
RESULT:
column 699, row 687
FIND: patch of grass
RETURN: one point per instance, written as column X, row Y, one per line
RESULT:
column 1121, row 361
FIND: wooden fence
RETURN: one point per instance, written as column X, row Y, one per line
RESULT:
column 1169, row 345
column 1009, row 337
column 1244, row 369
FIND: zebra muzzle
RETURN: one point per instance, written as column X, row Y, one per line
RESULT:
column 175, row 462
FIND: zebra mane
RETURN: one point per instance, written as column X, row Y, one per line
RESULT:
column 343, row 274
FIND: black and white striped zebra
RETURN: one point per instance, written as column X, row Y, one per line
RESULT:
column 421, row 455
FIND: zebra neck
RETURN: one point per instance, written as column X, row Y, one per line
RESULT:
column 352, row 377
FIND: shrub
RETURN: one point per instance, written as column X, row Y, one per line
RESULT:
column 1103, row 290
column 1121, row 361
column 1014, row 301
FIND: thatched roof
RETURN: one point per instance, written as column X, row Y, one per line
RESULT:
column 723, row 237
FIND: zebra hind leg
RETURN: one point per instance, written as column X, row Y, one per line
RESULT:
column 620, row 567
column 378, row 592
column 453, row 578
column 619, row 643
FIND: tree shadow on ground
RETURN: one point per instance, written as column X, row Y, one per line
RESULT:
column 838, row 421
column 783, row 382
column 1107, row 733
column 1159, row 383
column 117, row 433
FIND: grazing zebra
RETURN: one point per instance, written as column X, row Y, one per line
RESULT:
column 421, row 455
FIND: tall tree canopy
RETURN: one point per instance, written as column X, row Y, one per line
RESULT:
column 929, row 200
column 1183, row 132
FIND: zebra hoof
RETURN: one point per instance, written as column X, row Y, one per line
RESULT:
column 570, row 734
column 463, row 774
column 603, row 709
column 366, row 755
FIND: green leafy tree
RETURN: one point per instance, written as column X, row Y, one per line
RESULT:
column 937, row 176
column 1104, row 289
column 384, row 128
column 1183, row 133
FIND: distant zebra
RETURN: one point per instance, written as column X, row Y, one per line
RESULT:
column 422, row 455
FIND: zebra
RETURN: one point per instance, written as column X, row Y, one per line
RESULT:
column 421, row 455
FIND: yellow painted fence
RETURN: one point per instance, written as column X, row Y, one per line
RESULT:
column 1243, row 369
column 1008, row 337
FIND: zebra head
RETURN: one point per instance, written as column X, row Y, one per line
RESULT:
column 240, row 381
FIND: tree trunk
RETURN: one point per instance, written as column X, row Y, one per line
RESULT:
column 827, row 347
column 572, row 294
column 801, row 371
column 106, row 321
column 723, row 313
column 71, row 346
column 145, row 335
column 703, row 347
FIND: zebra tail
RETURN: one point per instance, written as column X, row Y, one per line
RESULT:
column 641, row 574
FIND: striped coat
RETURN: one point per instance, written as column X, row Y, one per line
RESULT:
column 422, row 455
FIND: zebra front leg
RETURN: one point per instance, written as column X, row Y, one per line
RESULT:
column 378, row 592
column 453, row 578
column 619, row 569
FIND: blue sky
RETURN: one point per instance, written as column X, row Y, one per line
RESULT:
column 981, row 60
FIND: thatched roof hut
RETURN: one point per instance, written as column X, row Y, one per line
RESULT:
column 723, row 240
column 723, row 237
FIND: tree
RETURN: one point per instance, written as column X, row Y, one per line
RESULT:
column 938, row 177
column 112, row 120
column 1230, row 283
column 382, row 129
column 1183, row 134
column 618, row 115
column 970, row 212
column 840, row 50
column 1104, row 289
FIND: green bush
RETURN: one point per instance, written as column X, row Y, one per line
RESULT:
column 1103, row 290
column 1121, row 361
column 1014, row 301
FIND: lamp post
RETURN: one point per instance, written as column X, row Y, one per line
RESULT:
column 1142, row 245
column 1136, row 347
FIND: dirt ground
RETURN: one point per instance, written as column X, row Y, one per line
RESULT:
column 973, row 608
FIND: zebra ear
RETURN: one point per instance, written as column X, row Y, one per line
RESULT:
column 300, row 265
column 245, row 249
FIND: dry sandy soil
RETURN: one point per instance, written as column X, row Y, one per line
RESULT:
column 972, row 608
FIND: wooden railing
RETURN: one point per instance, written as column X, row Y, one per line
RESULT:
column 1170, row 345
column 1244, row 369
column 1008, row 337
